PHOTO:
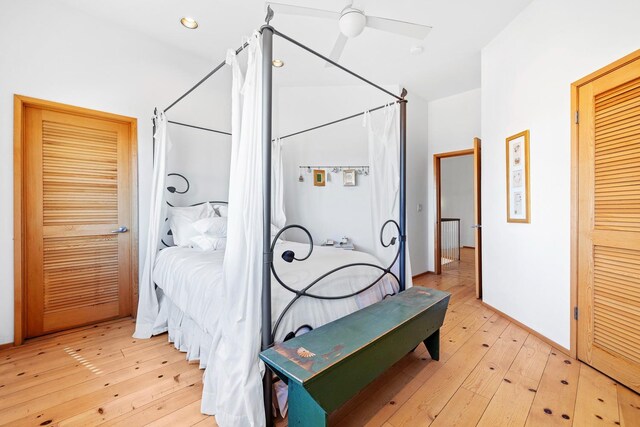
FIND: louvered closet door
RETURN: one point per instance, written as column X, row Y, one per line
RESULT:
column 609, row 224
column 76, row 194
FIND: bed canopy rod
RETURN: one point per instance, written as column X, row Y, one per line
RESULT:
column 333, row 122
column 199, row 127
column 204, row 79
column 337, row 121
column 297, row 43
column 335, row 64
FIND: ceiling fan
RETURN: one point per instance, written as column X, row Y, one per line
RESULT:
column 352, row 20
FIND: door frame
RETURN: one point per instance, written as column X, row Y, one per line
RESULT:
column 437, row 266
column 20, row 104
column 575, row 147
column 477, row 212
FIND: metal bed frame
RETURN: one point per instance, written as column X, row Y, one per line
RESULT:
column 268, row 268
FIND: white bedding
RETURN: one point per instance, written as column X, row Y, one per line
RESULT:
column 190, row 278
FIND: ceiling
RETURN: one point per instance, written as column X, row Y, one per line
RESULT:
column 449, row 64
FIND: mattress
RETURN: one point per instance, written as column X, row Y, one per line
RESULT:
column 191, row 279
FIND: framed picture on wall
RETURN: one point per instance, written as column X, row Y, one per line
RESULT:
column 349, row 177
column 319, row 177
column 518, row 197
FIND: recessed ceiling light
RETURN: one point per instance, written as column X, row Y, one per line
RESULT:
column 189, row 23
column 277, row 63
column 416, row 50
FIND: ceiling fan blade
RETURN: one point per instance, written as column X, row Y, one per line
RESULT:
column 288, row 9
column 409, row 29
column 358, row 4
column 337, row 50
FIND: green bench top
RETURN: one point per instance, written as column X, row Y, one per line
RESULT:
column 302, row 358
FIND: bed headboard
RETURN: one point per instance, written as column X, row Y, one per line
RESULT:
column 167, row 240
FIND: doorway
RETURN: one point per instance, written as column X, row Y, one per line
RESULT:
column 606, row 220
column 75, row 216
column 458, row 234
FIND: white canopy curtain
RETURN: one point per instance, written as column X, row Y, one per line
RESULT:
column 233, row 380
column 384, row 170
column 148, row 298
column 278, row 216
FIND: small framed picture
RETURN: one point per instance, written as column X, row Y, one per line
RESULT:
column 349, row 177
column 518, row 188
column 319, row 177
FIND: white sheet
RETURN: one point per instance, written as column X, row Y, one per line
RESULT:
column 384, row 160
column 278, row 215
column 148, row 304
column 233, row 383
column 192, row 279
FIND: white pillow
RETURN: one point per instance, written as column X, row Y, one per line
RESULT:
column 181, row 220
column 193, row 213
column 215, row 226
column 221, row 210
column 207, row 242
column 212, row 234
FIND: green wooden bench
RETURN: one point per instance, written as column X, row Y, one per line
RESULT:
column 329, row 365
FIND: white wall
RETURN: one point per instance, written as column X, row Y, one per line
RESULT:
column 56, row 53
column 526, row 75
column 204, row 159
column 418, row 232
column 453, row 123
column 456, row 192
column 334, row 211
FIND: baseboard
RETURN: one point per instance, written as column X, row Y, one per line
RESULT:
column 468, row 247
column 426, row 273
column 528, row 329
column 5, row 346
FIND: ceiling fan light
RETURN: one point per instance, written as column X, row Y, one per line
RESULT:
column 352, row 22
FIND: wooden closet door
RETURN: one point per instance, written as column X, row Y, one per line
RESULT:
column 609, row 224
column 76, row 189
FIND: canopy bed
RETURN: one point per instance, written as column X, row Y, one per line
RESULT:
column 224, row 299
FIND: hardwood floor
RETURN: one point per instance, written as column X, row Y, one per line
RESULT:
column 491, row 373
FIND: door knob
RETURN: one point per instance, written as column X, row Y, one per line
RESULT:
column 121, row 229
column 476, row 226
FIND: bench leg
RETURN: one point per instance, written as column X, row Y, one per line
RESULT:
column 303, row 409
column 433, row 345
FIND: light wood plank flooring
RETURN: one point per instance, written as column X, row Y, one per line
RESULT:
column 491, row 373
